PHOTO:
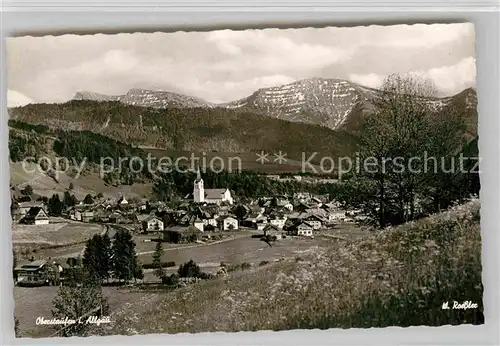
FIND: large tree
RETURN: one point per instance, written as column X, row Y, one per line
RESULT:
column 78, row 299
column 405, row 128
column 69, row 200
column 97, row 257
column 125, row 265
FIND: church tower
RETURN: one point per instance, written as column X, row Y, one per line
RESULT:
column 198, row 190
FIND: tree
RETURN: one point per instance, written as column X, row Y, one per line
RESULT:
column 100, row 195
column 189, row 269
column 71, row 186
column 28, row 190
column 403, row 129
column 157, row 265
column 78, row 299
column 55, row 205
column 125, row 266
column 69, row 200
column 97, row 256
column 88, row 199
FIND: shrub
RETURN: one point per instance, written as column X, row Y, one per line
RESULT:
column 189, row 269
column 172, row 280
column 246, row 265
column 163, row 265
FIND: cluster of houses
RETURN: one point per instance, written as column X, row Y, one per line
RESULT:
column 205, row 210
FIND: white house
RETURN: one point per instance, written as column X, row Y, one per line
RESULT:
column 211, row 196
column 152, row 224
column 336, row 215
column 210, row 221
column 305, row 229
column 278, row 221
column 315, row 221
column 228, row 223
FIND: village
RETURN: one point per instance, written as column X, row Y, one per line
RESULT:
column 205, row 217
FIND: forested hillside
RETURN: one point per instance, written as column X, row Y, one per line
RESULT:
column 192, row 129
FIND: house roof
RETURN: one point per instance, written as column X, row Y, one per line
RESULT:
column 30, row 204
column 214, row 193
column 150, row 217
column 142, row 217
column 34, row 265
column 35, row 211
column 317, row 217
column 271, row 227
column 305, row 223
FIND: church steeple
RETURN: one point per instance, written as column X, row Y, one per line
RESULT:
column 198, row 174
column 198, row 189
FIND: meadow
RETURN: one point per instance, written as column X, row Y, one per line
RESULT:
column 87, row 183
column 397, row 277
column 53, row 234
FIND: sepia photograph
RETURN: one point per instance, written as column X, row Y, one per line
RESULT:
column 244, row 180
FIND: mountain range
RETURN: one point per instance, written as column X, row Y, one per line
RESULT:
column 331, row 103
column 314, row 115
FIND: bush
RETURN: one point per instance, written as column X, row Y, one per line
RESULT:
column 163, row 265
column 206, row 276
column 263, row 263
column 246, row 265
column 172, row 280
column 189, row 270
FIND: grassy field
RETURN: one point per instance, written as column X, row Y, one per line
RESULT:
column 60, row 233
column 399, row 277
column 89, row 182
column 242, row 249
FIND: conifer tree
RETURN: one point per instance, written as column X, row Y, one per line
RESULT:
column 125, row 266
column 158, row 270
column 98, row 255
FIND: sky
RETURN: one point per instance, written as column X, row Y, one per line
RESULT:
column 225, row 65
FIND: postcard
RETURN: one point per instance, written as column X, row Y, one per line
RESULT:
column 244, row 180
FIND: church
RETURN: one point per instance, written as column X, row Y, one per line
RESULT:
column 210, row 196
